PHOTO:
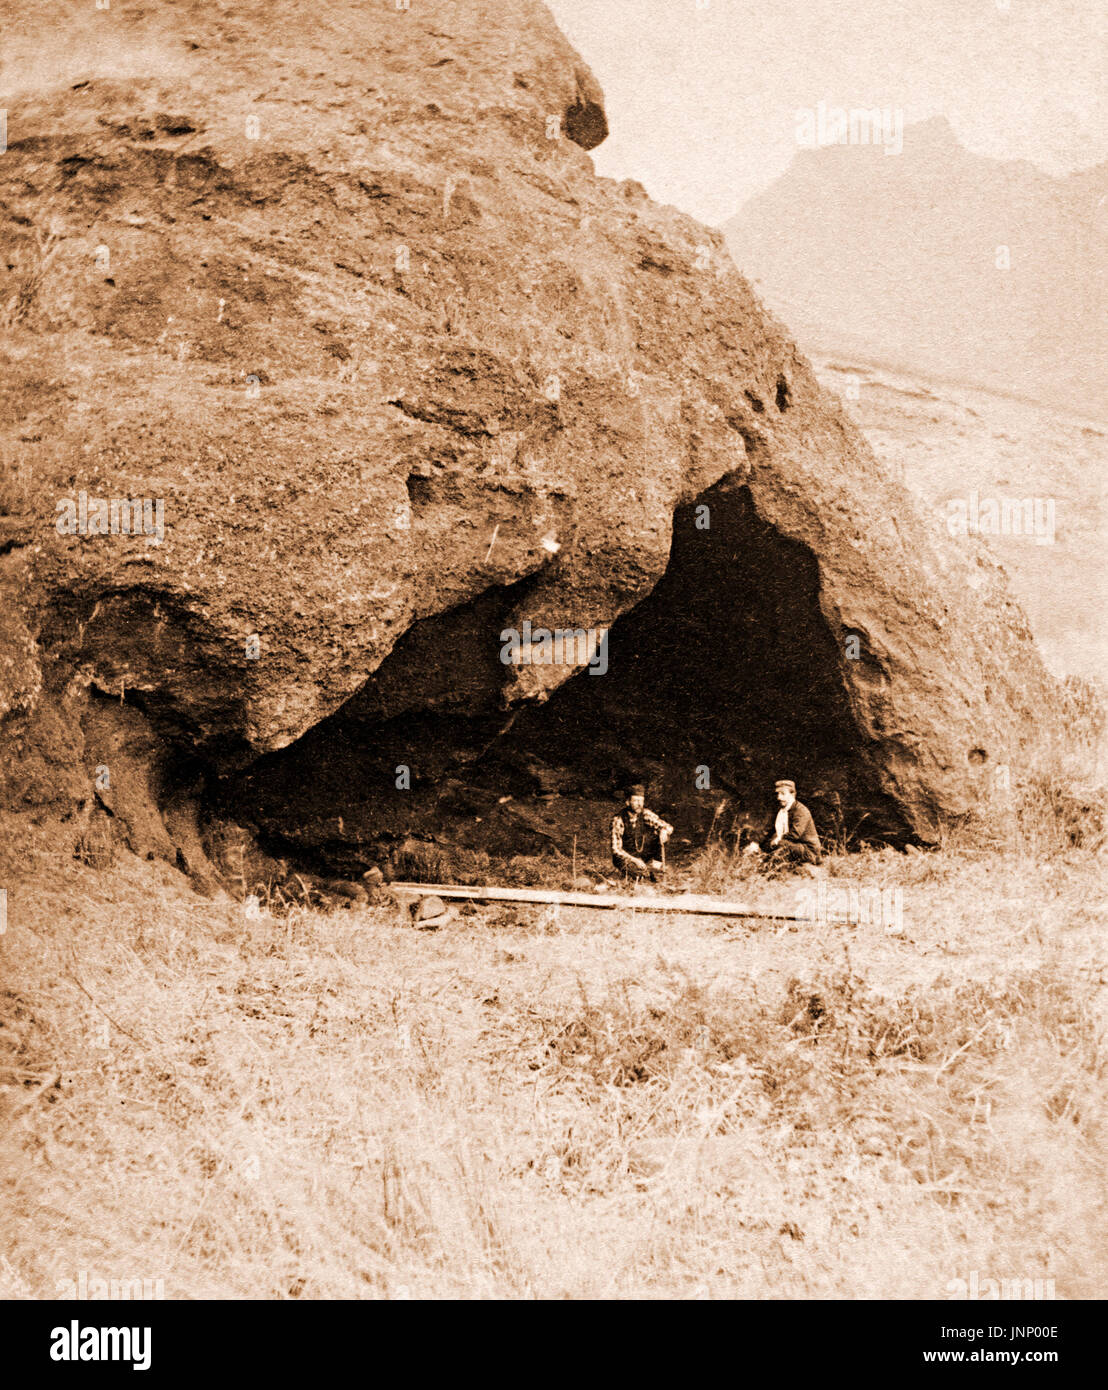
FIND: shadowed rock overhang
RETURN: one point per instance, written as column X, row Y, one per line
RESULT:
column 725, row 676
column 402, row 372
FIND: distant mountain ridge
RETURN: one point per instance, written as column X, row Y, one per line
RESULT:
column 902, row 257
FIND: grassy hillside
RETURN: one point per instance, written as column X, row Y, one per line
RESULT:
column 577, row 1105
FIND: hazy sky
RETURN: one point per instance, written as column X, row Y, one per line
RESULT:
column 702, row 101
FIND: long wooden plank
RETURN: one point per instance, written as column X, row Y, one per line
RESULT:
column 700, row 904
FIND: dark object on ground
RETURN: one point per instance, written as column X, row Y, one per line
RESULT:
column 343, row 888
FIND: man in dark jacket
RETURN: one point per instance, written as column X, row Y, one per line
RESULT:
column 794, row 839
column 638, row 836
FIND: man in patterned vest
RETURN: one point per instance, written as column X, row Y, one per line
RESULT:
column 638, row 836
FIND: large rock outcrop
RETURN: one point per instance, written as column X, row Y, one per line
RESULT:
column 338, row 288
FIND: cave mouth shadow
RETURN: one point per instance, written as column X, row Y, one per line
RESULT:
column 723, row 679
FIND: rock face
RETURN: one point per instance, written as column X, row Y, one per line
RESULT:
column 338, row 293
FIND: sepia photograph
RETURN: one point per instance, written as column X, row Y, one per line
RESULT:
column 553, row 660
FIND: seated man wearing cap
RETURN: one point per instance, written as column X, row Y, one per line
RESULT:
column 638, row 836
column 794, row 832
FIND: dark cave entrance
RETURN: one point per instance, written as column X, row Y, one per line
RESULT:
column 724, row 678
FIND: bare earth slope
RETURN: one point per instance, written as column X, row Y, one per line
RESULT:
column 946, row 442
column 339, row 287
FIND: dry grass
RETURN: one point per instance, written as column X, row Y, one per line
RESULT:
column 527, row 1104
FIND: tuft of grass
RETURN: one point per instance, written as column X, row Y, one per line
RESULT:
column 96, row 844
column 38, row 254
